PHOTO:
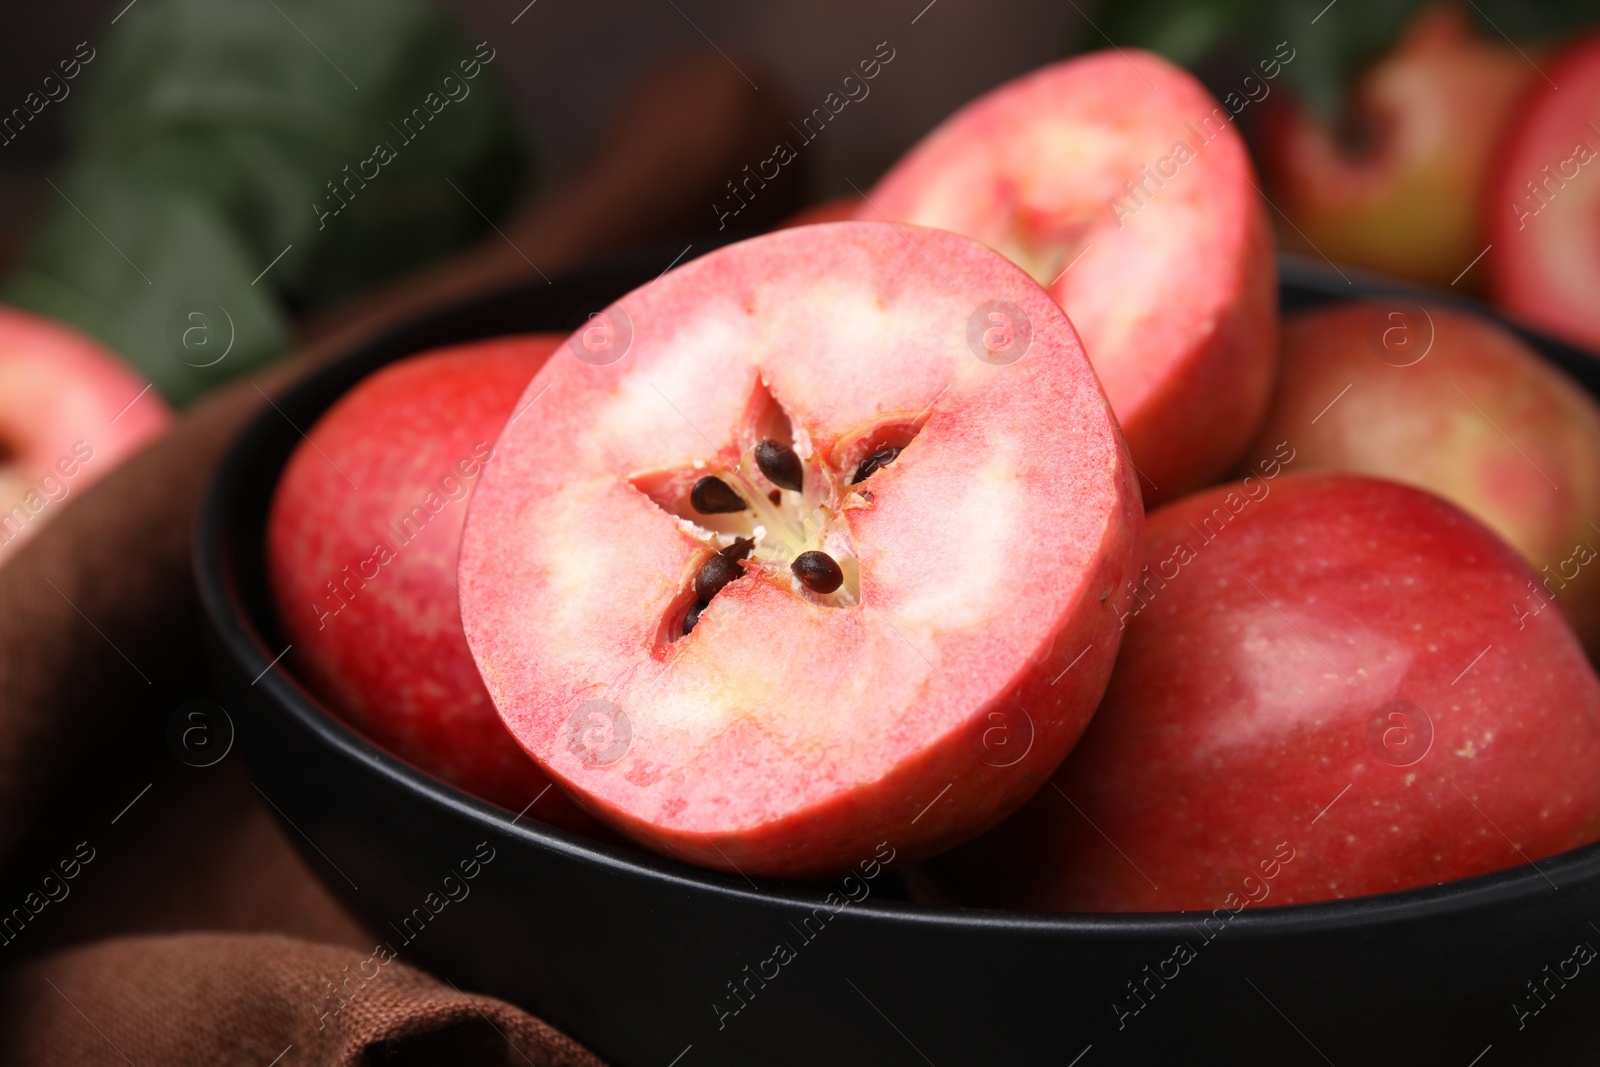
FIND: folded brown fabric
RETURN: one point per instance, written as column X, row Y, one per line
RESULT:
column 212, row 999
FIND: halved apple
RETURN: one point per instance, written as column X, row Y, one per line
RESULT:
column 799, row 551
column 1123, row 187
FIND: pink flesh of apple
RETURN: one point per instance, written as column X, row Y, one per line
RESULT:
column 384, row 647
column 1176, row 301
column 789, row 733
column 58, row 389
column 1545, row 266
column 1241, row 716
column 1480, row 419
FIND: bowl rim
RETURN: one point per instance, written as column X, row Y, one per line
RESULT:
column 242, row 638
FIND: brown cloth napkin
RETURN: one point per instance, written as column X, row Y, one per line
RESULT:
column 242, row 998
column 104, row 834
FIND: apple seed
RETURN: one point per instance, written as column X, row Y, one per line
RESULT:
column 693, row 617
column 817, row 571
column 712, row 496
column 780, row 464
column 721, row 569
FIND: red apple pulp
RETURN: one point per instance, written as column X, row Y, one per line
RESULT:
column 1326, row 692
column 361, row 550
column 1123, row 187
column 1544, row 203
column 70, row 410
column 1449, row 402
column 796, row 541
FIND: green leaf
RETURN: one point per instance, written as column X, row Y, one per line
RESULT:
column 137, row 255
column 1521, row 20
column 1346, row 37
column 1332, row 42
column 257, row 108
column 212, row 135
column 1184, row 31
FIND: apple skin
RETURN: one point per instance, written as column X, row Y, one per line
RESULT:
column 1406, row 201
column 786, row 735
column 1227, row 742
column 1175, row 293
column 68, row 415
column 1545, row 266
column 381, row 641
column 1449, row 402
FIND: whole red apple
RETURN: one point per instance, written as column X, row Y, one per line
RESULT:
column 1449, row 402
column 1323, row 693
column 1120, row 184
column 803, row 555
column 70, row 411
column 1543, row 205
column 361, row 553
column 1397, row 185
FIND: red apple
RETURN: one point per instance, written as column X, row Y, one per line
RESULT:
column 361, row 551
column 1397, row 185
column 1324, row 692
column 1544, row 202
column 70, row 411
column 1449, row 402
column 769, row 570
column 1120, row 184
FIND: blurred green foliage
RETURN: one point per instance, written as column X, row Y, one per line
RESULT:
column 1331, row 41
column 204, row 137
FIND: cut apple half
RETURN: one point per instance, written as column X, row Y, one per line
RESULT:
column 1121, row 186
column 756, row 587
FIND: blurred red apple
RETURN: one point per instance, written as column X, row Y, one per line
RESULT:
column 70, row 411
column 361, row 551
column 1123, row 187
column 1544, row 203
column 799, row 544
column 1397, row 185
column 1449, row 402
column 1322, row 694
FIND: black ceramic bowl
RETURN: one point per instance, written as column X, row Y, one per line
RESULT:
column 656, row 964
